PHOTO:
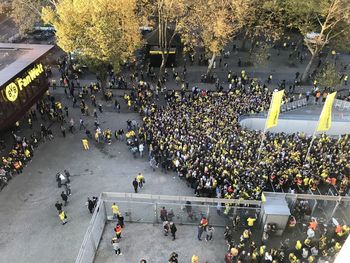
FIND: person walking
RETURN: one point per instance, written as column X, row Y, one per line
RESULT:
column 194, row 259
column 115, row 210
column 63, row 217
column 82, row 125
column 173, row 229
column 63, row 130
column 166, row 228
column 58, row 206
column 120, row 218
column 140, row 179
column 173, row 258
column 202, row 227
column 116, row 246
column 90, row 205
column 85, row 144
column 64, row 198
column 135, row 185
column 250, row 222
column 66, row 110
column 210, row 232
column 141, row 149
column 67, row 189
column 163, row 214
column 71, row 125
column 200, row 232
column 67, row 175
column 118, row 231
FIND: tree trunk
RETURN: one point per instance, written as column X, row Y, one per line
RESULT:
column 162, row 66
column 210, row 66
column 103, row 83
column 308, row 68
column 244, row 42
column 103, row 77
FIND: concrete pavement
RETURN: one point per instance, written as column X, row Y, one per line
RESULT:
column 30, row 228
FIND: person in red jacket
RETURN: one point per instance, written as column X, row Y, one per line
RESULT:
column 118, row 231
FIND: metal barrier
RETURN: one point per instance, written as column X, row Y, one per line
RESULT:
column 324, row 207
column 293, row 105
column 342, row 105
column 145, row 208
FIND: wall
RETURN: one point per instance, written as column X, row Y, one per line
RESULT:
column 293, row 126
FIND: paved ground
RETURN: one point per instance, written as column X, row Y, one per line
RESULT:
column 156, row 248
column 30, row 229
column 28, row 217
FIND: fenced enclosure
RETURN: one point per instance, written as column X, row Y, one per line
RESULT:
column 145, row 208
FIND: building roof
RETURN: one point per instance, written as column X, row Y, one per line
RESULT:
column 16, row 57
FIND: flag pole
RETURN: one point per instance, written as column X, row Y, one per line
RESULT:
column 327, row 108
column 265, row 129
column 274, row 111
column 312, row 141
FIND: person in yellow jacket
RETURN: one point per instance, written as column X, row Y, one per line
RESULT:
column 115, row 210
column 27, row 153
column 293, row 258
column 195, row 259
column 250, row 221
column 140, row 179
column 85, row 144
column 63, row 217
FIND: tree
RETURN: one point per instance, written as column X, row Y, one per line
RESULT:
column 261, row 20
column 329, row 76
column 102, row 32
column 210, row 24
column 321, row 23
column 261, row 55
column 164, row 14
column 26, row 13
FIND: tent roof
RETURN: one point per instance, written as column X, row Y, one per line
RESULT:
column 152, row 38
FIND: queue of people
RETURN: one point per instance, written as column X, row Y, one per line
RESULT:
column 313, row 244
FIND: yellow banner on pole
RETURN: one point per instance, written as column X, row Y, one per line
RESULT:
column 275, row 109
column 326, row 115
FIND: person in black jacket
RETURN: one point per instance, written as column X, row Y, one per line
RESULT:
column 64, row 198
column 135, row 184
column 58, row 206
column 173, row 258
column 173, row 229
column 90, row 205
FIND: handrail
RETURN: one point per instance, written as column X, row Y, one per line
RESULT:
column 89, row 230
column 309, row 196
column 106, row 195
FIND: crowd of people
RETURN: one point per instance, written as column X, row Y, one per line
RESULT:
column 314, row 243
column 23, row 147
column 199, row 137
column 196, row 133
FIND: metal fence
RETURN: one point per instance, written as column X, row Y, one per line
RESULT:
column 145, row 208
column 342, row 105
column 323, row 207
column 293, row 105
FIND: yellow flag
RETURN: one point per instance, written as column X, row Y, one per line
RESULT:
column 274, row 109
column 326, row 115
